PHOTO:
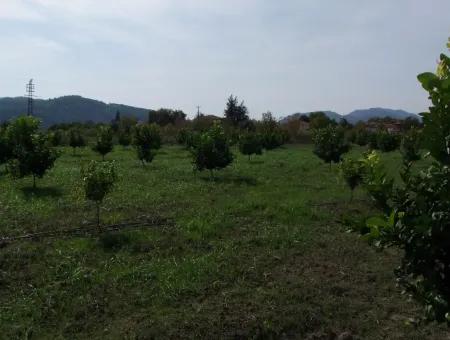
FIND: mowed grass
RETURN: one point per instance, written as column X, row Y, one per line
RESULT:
column 255, row 253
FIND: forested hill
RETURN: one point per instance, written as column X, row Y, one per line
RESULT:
column 68, row 109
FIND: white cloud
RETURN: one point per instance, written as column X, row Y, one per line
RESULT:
column 18, row 10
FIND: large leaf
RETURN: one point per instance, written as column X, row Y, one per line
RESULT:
column 428, row 80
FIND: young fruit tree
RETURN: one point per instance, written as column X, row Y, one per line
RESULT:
column 5, row 147
column 104, row 143
column 31, row 153
column 98, row 180
column 330, row 144
column 352, row 171
column 146, row 139
column 212, row 150
column 387, row 141
column 410, row 145
column 272, row 136
column 76, row 140
column 418, row 221
column 124, row 138
column 250, row 144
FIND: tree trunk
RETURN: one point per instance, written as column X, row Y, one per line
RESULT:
column 34, row 181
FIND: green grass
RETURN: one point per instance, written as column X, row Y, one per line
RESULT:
column 256, row 253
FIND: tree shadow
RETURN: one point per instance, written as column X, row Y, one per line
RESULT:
column 41, row 192
column 231, row 179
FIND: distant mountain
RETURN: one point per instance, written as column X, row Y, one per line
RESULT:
column 330, row 114
column 365, row 115
column 360, row 115
column 68, row 109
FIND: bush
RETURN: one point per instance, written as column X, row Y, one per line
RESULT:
column 386, row 141
column 272, row 136
column 55, row 138
column 361, row 137
column 5, row 147
column 212, row 150
column 352, row 171
column 376, row 181
column 250, row 144
column 98, row 181
column 417, row 218
column 410, row 146
column 76, row 140
column 124, row 138
column 31, row 152
column 146, row 138
column 104, row 143
column 330, row 144
column 372, row 140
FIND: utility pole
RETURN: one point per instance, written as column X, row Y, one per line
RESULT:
column 30, row 96
column 198, row 111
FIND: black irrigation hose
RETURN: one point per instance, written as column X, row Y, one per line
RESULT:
column 89, row 230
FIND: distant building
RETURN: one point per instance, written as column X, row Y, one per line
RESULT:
column 391, row 127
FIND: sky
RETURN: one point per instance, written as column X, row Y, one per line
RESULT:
column 284, row 56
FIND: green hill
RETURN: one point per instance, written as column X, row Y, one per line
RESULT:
column 68, row 109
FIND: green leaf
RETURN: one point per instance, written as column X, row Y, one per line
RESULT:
column 376, row 221
column 428, row 80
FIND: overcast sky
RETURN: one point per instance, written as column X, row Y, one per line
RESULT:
column 279, row 55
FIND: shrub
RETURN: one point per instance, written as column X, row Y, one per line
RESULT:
column 410, row 146
column 212, row 150
column 330, row 144
column 124, row 138
column 146, row 138
column 55, row 138
column 418, row 216
column 386, row 141
column 352, row 171
column 272, row 136
column 376, row 181
column 31, row 152
column 5, row 147
column 250, row 144
column 372, row 140
column 98, row 181
column 76, row 140
column 361, row 137
column 104, row 143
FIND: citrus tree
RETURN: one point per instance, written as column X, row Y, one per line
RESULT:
column 98, row 179
column 418, row 216
column 104, row 142
column 76, row 140
column 212, row 150
column 352, row 171
column 410, row 145
column 31, row 152
column 330, row 144
column 250, row 144
column 146, row 139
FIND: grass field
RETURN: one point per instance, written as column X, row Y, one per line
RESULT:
column 255, row 253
